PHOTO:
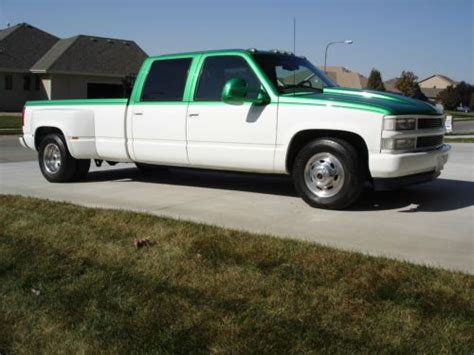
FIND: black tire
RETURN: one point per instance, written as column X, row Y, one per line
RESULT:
column 82, row 169
column 349, row 170
column 69, row 169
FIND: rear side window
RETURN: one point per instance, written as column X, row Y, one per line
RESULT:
column 166, row 80
column 216, row 71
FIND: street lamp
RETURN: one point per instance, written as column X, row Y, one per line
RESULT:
column 347, row 41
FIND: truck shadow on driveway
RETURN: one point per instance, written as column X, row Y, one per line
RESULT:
column 436, row 196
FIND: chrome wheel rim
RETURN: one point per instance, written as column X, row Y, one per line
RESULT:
column 324, row 175
column 52, row 158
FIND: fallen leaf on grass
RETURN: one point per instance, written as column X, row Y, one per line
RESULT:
column 139, row 243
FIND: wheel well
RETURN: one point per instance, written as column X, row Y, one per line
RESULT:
column 42, row 132
column 304, row 137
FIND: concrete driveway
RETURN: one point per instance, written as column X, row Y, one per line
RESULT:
column 430, row 223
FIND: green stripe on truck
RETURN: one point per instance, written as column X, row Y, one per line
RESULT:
column 77, row 102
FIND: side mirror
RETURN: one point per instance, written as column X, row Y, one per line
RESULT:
column 235, row 92
column 262, row 98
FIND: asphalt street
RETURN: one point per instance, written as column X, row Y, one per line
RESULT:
column 431, row 223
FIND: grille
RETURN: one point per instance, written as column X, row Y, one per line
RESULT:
column 429, row 141
column 426, row 123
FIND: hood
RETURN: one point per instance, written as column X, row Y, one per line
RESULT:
column 374, row 101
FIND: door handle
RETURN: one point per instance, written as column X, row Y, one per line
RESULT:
column 138, row 113
column 194, row 114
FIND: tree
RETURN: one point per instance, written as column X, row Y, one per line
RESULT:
column 449, row 97
column 418, row 94
column 465, row 91
column 375, row 81
column 407, row 83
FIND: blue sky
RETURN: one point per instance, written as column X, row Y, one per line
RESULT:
column 425, row 36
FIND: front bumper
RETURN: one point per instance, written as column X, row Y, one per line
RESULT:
column 390, row 166
column 384, row 184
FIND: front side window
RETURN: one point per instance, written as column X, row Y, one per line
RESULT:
column 291, row 74
column 8, row 82
column 216, row 71
column 166, row 80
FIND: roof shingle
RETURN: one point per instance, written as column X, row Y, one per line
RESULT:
column 22, row 45
column 92, row 55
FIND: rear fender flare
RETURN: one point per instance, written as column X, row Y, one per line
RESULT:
column 77, row 125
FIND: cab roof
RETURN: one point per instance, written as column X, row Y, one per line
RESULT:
column 225, row 51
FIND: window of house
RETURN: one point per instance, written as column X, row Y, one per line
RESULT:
column 8, row 82
column 166, row 80
column 37, row 83
column 27, row 83
column 216, row 71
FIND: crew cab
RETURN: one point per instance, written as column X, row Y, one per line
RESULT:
column 245, row 110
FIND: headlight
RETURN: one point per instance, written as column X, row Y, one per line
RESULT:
column 399, row 124
column 398, row 143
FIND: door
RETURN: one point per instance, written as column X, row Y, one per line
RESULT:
column 229, row 136
column 159, row 117
column 104, row 91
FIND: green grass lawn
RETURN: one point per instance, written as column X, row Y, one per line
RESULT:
column 71, row 280
column 461, row 116
column 458, row 140
column 457, row 134
column 10, row 124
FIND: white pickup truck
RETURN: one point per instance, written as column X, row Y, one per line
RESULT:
column 245, row 110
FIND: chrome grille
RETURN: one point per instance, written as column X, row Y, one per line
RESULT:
column 429, row 141
column 427, row 123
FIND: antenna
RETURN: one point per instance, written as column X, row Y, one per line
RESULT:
column 294, row 52
column 294, row 35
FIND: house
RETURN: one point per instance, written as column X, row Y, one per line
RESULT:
column 436, row 81
column 434, row 84
column 345, row 77
column 430, row 87
column 390, row 85
column 20, row 47
column 36, row 65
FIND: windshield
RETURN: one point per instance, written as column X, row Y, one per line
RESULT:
column 291, row 74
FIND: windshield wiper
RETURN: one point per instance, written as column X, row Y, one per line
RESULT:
column 289, row 88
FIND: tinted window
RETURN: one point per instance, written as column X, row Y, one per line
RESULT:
column 216, row 71
column 166, row 80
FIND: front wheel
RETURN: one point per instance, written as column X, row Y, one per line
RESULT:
column 328, row 173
